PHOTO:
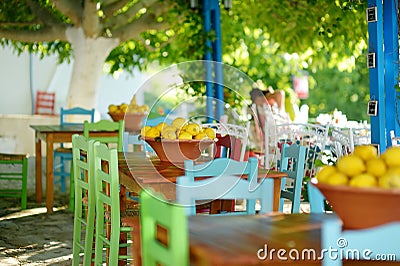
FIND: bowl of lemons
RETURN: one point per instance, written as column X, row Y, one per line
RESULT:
column 181, row 140
column 363, row 188
column 132, row 113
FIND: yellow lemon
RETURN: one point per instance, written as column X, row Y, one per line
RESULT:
column 210, row 132
column 392, row 156
column 153, row 132
column 178, row 122
column 365, row 152
column 185, row 135
column 337, row 179
column 169, row 134
column 144, row 129
column 112, row 108
column 201, row 135
column 161, row 125
column 376, row 167
column 363, row 180
column 193, row 129
column 350, row 165
column 324, row 174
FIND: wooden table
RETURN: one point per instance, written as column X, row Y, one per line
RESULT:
column 137, row 171
column 269, row 239
column 51, row 134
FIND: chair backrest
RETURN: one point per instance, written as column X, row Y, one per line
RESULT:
column 315, row 198
column 76, row 116
column 82, row 163
column 314, row 137
column 45, row 102
column 131, row 140
column 395, row 140
column 107, row 203
column 158, row 215
column 224, row 186
column 293, row 163
column 221, row 166
column 233, row 137
column 376, row 243
column 340, row 143
column 105, row 125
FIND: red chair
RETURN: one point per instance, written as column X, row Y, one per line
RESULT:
column 44, row 104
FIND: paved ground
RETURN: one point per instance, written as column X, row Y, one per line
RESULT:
column 32, row 237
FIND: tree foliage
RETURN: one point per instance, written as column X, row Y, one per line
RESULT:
column 268, row 40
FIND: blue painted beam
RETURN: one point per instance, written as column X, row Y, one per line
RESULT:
column 217, row 48
column 376, row 76
column 207, row 63
column 391, row 66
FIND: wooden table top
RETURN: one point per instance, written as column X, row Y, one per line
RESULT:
column 251, row 240
column 153, row 170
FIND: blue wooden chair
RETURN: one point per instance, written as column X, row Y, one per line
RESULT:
column 226, row 182
column 354, row 244
column 293, row 163
column 216, row 167
column 158, row 215
column 62, row 154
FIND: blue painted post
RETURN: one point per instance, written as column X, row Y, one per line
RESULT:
column 376, row 75
column 217, row 48
column 214, row 84
column 391, row 66
column 207, row 62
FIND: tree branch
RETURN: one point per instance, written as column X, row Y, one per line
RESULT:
column 71, row 8
column 122, row 19
column 91, row 24
column 42, row 14
column 110, row 9
column 132, row 31
column 48, row 34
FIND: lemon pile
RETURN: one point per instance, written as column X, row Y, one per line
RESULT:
column 364, row 168
column 130, row 108
column 179, row 129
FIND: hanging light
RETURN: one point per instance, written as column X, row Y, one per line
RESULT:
column 194, row 3
column 227, row 4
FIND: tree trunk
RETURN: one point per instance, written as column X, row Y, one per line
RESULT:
column 89, row 57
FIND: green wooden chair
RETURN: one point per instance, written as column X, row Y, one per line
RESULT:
column 102, row 125
column 14, row 169
column 158, row 215
column 82, row 161
column 111, row 232
column 105, row 125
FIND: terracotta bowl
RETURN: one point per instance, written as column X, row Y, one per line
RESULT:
column 362, row 207
column 133, row 121
column 178, row 150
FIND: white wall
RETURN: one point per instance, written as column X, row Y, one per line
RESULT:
column 47, row 75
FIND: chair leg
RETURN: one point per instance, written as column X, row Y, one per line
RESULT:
column 24, row 193
column 71, row 190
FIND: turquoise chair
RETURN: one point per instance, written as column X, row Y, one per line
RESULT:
column 62, row 155
column 226, row 182
column 355, row 244
column 293, row 164
column 220, row 166
column 155, row 213
column 84, row 210
column 110, row 226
